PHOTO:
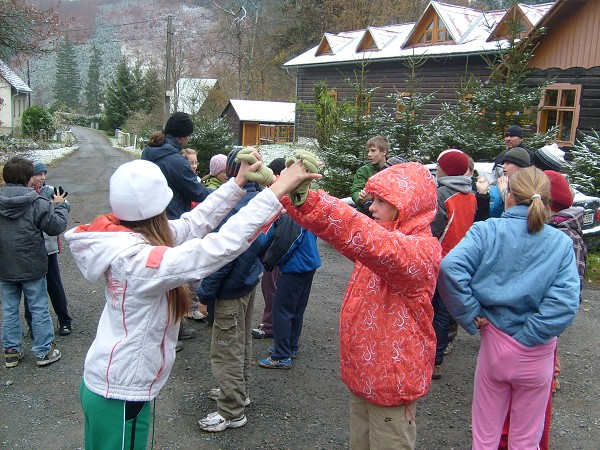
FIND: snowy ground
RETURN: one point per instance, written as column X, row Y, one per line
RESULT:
column 52, row 155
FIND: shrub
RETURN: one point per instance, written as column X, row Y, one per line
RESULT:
column 37, row 122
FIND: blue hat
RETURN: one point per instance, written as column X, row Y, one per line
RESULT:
column 39, row 167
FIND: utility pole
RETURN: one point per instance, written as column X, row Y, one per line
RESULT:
column 169, row 64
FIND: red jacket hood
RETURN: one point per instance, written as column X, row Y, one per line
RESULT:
column 412, row 190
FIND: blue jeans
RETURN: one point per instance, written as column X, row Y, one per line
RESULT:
column 12, row 330
column 56, row 291
column 291, row 299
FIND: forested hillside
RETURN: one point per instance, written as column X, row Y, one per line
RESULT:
column 243, row 43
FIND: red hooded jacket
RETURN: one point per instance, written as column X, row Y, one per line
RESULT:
column 387, row 341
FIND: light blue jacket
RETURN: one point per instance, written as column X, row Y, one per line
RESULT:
column 525, row 284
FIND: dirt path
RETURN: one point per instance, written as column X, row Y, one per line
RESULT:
column 304, row 408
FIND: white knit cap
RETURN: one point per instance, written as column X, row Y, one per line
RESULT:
column 138, row 191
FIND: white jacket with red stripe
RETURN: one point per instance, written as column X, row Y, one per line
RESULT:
column 134, row 349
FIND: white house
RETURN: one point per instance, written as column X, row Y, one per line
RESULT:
column 14, row 95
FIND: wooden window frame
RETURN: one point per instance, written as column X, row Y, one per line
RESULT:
column 435, row 31
column 559, row 110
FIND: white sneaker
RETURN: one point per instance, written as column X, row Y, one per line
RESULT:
column 214, row 422
column 214, row 393
column 195, row 315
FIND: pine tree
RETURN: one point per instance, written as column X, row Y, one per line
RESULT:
column 66, row 81
column 93, row 88
column 585, row 166
column 118, row 97
column 153, row 91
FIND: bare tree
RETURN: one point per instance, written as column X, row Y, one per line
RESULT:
column 24, row 29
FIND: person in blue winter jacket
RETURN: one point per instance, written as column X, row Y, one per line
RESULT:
column 515, row 279
column 295, row 251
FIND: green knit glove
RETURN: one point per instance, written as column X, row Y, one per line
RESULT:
column 263, row 176
column 312, row 164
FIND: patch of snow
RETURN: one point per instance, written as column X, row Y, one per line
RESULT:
column 49, row 156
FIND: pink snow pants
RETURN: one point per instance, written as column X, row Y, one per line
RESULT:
column 509, row 374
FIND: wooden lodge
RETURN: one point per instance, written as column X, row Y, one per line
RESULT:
column 256, row 122
column 452, row 43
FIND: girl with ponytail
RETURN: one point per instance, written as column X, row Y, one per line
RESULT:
column 514, row 280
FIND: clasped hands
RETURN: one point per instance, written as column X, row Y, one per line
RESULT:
column 294, row 180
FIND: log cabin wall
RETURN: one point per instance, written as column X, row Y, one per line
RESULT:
column 441, row 77
column 234, row 122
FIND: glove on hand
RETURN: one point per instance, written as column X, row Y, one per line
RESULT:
column 263, row 176
column 312, row 164
column 60, row 191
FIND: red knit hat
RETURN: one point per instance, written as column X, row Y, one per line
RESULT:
column 453, row 162
column 561, row 196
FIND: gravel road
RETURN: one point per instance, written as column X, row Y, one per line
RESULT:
column 303, row 408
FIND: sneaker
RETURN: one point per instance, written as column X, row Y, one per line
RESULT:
column 294, row 354
column 449, row 348
column 214, row 422
column 186, row 333
column 195, row 315
column 64, row 329
column 259, row 333
column 214, row 393
column 270, row 363
column 437, row 372
column 12, row 357
column 52, row 356
column 178, row 346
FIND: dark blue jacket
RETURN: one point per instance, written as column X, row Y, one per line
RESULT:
column 243, row 274
column 292, row 248
column 180, row 177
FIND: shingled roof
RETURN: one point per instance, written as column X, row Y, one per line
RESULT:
column 13, row 79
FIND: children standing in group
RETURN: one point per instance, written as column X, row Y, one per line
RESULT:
column 24, row 215
column 146, row 261
column 387, row 341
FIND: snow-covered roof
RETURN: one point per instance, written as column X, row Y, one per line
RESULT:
column 468, row 28
column 192, row 92
column 13, row 79
column 262, row 111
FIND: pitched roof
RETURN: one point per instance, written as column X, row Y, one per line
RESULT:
column 262, row 111
column 468, row 28
column 13, row 79
column 192, row 92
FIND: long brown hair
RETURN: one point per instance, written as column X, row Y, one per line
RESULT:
column 531, row 187
column 156, row 231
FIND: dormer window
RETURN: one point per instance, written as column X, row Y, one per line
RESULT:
column 435, row 32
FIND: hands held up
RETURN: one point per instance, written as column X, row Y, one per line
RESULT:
column 59, row 195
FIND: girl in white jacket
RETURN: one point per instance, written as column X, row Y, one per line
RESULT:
column 146, row 261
